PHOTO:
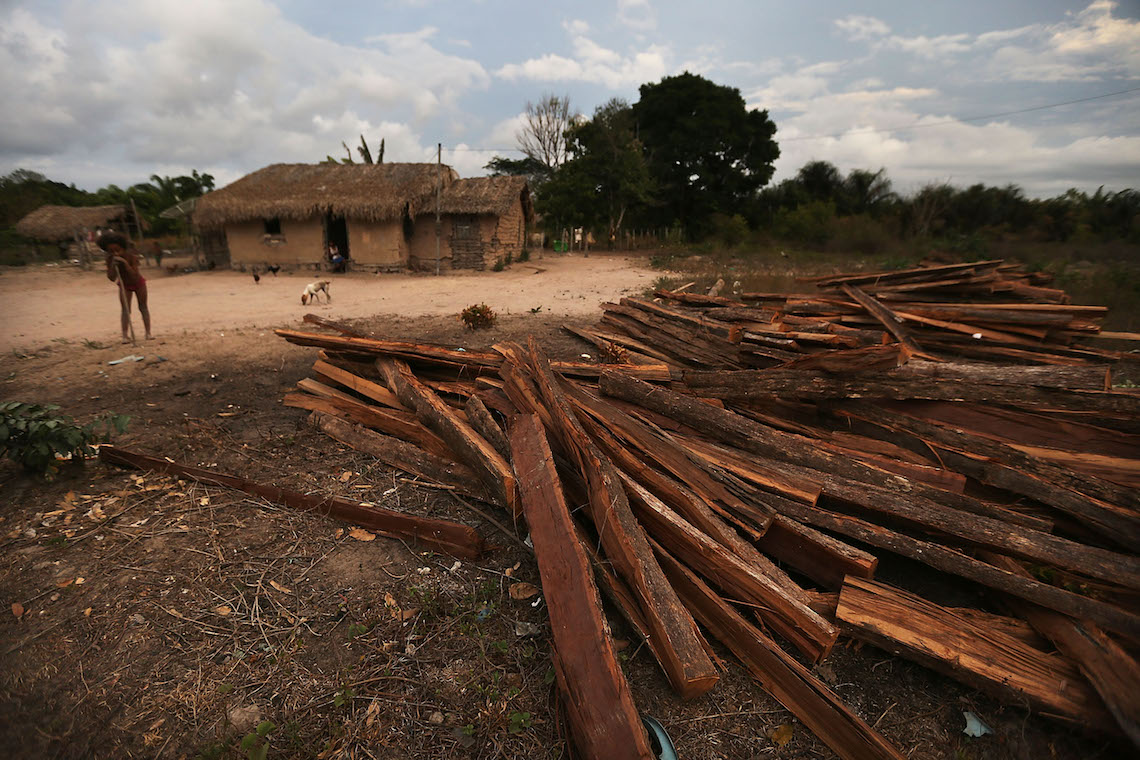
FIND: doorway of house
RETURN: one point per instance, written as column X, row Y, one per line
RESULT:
column 336, row 234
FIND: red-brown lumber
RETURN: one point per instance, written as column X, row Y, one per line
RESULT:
column 979, row 655
column 603, row 716
column 791, row 683
column 439, row 535
column 471, row 447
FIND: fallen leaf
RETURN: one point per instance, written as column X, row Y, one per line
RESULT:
column 65, row 584
column 204, row 501
column 523, row 591
column 409, row 613
column 280, row 588
column 345, row 476
column 390, row 601
column 80, row 581
column 339, row 533
column 17, row 609
column 360, row 534
column 69, row 497
column 87, row 612
column 781, row 735
column 223, row 610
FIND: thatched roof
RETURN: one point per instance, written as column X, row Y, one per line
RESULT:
column 63, row 222
column 485, row 195
column 370, row 192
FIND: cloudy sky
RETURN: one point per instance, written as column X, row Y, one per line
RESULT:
column 112, row 91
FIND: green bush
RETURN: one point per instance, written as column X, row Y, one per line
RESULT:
column 810, row 223
column 729, row 231
column 32, row 435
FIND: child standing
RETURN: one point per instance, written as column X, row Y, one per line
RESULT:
column 123, row 268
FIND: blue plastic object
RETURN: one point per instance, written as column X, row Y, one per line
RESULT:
column 659, row 741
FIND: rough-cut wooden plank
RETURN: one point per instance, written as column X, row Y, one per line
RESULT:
column 701, row 323
column 654, row 373
column 777, row 445
column 956, row 563
column 402, row 425
column 402, row 455
column 922, row 273
column 979, row 655
column 440, row 535
column 364, row 387
column 339, row 327
column 792, row 684
column 754, row 385
column 419, row 352
column 603, row 340
column 888, row 318
column 471, row 447
column 823, row 558
column 686, row 662
column 480, row 418
column 604, row 718
column 1112, row 672
column 1106, row 507
column 790, row 617
column 316, row 388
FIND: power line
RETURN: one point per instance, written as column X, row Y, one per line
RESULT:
column 919, row 125
column 873, row 130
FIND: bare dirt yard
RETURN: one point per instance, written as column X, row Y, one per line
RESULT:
column 146, row 617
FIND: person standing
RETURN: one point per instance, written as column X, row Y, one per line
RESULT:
column 123, row 269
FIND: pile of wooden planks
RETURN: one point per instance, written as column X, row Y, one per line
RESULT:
column 751, row 506
column 985, row 311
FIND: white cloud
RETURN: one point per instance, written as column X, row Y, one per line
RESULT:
column 862, row 27
column 637, row 14
column 591, row 63
column 210, row 84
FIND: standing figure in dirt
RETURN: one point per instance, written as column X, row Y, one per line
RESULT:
column 123, row 269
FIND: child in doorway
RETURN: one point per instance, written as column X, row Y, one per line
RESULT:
column 123, row 267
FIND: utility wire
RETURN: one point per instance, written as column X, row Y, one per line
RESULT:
column 872, row 130
column 919, row 125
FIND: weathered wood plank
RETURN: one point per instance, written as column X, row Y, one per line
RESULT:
column 604, row 718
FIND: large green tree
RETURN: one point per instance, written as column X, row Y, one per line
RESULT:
column 706, row 151
column 606, row 175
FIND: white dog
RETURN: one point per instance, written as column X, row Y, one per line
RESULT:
column 313, row 288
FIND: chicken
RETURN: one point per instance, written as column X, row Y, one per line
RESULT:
column 275, row 268
column 256, row 277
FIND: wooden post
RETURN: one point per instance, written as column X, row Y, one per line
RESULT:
column 438, row 224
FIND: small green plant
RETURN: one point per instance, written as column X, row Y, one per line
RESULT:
column 357, row 629
column 524, row 256
column 255, row 745
column 344, row 696
column 477, row 316
column 93, row 344
column 518, row 722
column 35, row 435
column 499, row 266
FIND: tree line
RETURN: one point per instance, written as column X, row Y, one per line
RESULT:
column 689, row 155
column 23, row 191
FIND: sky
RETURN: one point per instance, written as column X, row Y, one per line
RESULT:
column 95, row 92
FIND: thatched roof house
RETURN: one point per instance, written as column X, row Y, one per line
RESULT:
column 380, row 215
column 54, row 223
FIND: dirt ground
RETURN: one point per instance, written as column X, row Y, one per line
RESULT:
column 163, row 619
column 65, row 303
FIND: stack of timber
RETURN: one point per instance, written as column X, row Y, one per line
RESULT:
column 988, row 311
column 751, row 506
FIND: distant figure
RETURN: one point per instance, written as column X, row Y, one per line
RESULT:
column 123, row 269
column 336, row 261
column 157, row 252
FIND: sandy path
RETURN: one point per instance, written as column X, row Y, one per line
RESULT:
column 41, row 304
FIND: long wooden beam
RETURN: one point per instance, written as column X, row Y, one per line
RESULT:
column 441, row 535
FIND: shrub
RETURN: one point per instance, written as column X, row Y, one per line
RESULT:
column 33, row 435
column 477, row 316
column 812, row 223
column 524, row 255
column 729, row 231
